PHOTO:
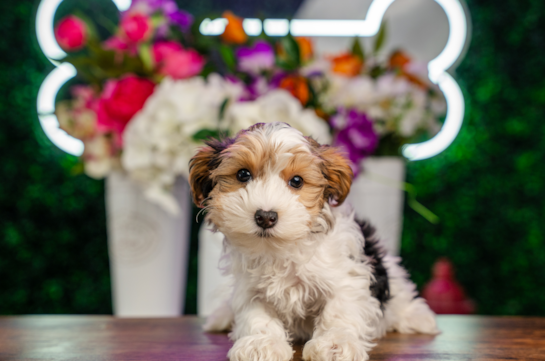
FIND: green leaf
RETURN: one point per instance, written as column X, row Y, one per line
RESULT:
column 157, row 20
column 293, row 54
column 92, row 32
column 205, row 134
column 357, row 49
column 381, row 37
column 228, row 56
column 286, row 65
column 144, row 51
column 222, row 108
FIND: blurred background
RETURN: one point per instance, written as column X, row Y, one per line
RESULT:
column 487, row 188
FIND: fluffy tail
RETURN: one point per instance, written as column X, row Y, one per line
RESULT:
column 380, row 289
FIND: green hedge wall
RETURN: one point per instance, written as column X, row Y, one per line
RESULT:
column 488, row 188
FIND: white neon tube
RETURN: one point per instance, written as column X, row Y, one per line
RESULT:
column 451, row 128
column 45, row 30
column 437, row 69
column 58, row 77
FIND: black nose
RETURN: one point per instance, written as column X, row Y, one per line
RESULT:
column 266, row 219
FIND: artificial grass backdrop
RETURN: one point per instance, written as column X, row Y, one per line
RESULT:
column 488, row 188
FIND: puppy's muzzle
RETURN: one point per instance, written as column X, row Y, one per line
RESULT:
column 266, row 219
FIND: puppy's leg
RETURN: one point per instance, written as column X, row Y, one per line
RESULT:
column 405, row 312
column 259, row 335
column 346, row 327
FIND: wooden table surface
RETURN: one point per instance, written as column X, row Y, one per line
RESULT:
column 86, row 338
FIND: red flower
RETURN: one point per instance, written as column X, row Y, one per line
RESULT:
column 120, row 101
column 71, row 33
column 136, row 27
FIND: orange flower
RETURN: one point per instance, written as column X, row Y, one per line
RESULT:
column 320, row 112
column 399, row 60
column 347, row 64
column 415, row 80
column 305, row 48
column 297, row 86
column 234, row 32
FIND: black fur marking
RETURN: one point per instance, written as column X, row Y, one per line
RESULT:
column 380, row 289
column 218, row 145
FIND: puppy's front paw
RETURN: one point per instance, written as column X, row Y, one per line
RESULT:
column 260, row 348
column 332, row 347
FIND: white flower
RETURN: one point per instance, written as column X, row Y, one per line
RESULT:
column 390, row 85
column 359, row 92
column 391, row 101
column 412, row 120
column 98, row 157
column 276, row 106
column 158, row 142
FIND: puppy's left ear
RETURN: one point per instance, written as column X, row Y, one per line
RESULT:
column 338, row 173
column 201, row 166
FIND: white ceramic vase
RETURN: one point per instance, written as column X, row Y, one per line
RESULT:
column 148, row 250
column 377, row 196
column 211, row 283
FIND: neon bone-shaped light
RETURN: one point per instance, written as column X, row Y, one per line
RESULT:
column 437, row 68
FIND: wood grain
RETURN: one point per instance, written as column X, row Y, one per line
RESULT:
column 93, row 338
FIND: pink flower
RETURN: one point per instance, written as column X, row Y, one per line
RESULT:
column 120, row 44
column 71, row 33
column 175, row 61
column 136, row 27
column 120, row 101
column 163, row 49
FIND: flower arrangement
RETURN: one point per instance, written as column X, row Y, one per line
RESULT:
column 372, row 104
column 156, row 88
column 121, row 73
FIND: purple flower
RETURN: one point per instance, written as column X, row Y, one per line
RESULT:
column 151, row 6
column 181, row 18
column 169, row 8
column 257, row 87
column 255, row 59
column 354, row 133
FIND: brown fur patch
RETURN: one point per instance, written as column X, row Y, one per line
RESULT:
column 336, row 170
column 201, row 166
column 306, row 166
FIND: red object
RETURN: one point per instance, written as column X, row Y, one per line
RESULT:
column 444, row 294
column 120, row 101
column 136, row 27
column 71, row 33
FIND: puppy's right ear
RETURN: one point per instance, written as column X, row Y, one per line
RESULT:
column 201, row 166
column 199, row 175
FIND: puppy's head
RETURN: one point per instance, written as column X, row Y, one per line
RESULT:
column 269, row 185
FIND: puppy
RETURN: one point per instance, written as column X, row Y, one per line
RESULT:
column 303, row 267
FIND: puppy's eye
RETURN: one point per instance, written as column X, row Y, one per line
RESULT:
column 296, row 182
column 244, row 175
